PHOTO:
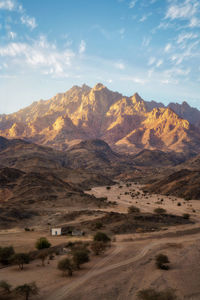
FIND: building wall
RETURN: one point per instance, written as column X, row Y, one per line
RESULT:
column 56, row 231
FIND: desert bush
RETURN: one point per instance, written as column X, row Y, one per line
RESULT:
column 20, row 259
column 162, row 262
column 98, row 225
column 101, row 237
column 160, row 211
column 27, row 290
column 98, row 247
column 80, row 257
column 186, row 216
column 43, row 256
column 133, row 209
column 65, row 265
column 5, row 254
column 151, row 294
column 5, row 286
column 42, row 243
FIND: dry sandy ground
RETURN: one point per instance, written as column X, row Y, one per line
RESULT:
column 146, row 203
column 128, row 266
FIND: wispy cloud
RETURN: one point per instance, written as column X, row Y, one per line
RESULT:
column 40, row 55
column 119, row 65
column 132, row 3
column 184, row 10
column 82, row 47
column 29, row 21
column 168, row 47
column 7, row 5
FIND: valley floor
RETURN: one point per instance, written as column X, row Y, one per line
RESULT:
column 129, row 265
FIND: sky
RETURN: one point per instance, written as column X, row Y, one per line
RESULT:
column 147, row 46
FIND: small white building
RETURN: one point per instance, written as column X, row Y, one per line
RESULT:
column 56, row 231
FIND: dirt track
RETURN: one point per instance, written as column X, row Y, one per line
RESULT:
column 103, row 267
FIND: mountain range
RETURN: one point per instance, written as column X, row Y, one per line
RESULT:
column 127, row 124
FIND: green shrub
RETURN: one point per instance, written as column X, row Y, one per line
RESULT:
column 162, row 262
column 5, row 255
column 186, row 216
column 160, row 211
column 42, row 243
column 5, row 286
column 66, row 265
column 133, row 209
column 98, row 247
column 27, row 290
column 151, row 294
column 80, row 257
column 101, row 237
column 20, row 259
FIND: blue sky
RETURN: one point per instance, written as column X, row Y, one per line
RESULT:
column 147, row 46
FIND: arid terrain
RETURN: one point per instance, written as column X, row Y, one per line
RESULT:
column 129, row 265
column 90, row 162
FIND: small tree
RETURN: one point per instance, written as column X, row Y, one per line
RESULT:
column 5, row 254
column 66, row 265
column 43, row 256
column 186, row 216
column 20, row 259
column 162, row 261
column 42, row 243
column 27, row 290
column 4, row 285
column 133, row 209
column 160, row 211
column 98, row 247
column 80, row 257
column 101, row 237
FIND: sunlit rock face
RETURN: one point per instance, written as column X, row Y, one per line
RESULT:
column 125, row 123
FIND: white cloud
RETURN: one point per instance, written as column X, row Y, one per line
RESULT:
column 184, row 10
column 28, row 21
column 12, row 35
column 143, row 18
column 159, row 63
column 40, row 55
column 82, row 47
column 119, row 65
column 146, row 41
column 151, row 61
column 7, row 5
column 132, row 3
column 138, row 80
column 168, row 47
column 186, row 36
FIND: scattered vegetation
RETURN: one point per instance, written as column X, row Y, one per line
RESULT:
column 98, row 247
column 20, row 259
column 65, row 265
column 151, row 294
column 186, row 216
column 27, row 290
column 162, row 262
column 5, row 255
column 160, row 211
column 43, row 256
column 42, row 243
column 80, row 257
column 101, row 237
column 5, row 286
column 133, row 209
